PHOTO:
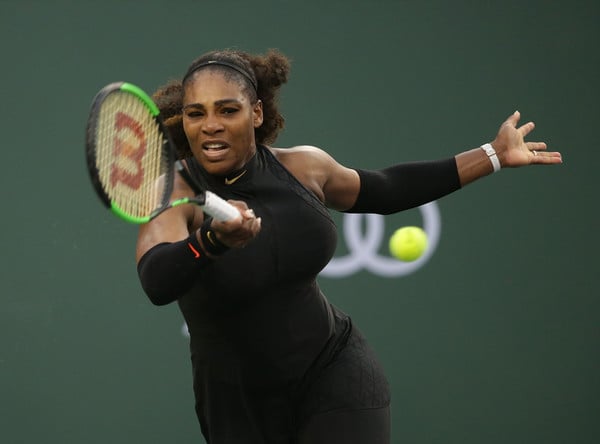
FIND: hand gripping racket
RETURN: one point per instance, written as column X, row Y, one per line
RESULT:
column 131, row 158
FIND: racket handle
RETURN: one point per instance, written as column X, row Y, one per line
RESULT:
column 219, row 208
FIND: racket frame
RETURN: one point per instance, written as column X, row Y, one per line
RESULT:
column 91, row 159
column 216, row 206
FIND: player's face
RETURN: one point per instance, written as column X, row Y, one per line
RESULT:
column 219, row 121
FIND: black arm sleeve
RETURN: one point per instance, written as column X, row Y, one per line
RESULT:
column 405, row 186
column 168, row 270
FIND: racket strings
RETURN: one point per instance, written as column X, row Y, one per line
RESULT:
column 132, row 165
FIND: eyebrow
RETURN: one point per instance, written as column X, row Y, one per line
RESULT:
column 217, row 103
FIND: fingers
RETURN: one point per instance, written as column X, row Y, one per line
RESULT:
column 545, row 158
column 536, row 146
column 251, row 222
column 513, row 119
column 510, row 128
column 526, row 128
column 239, row 204
column 539, row 155
column 248, row 214
column 237, row 233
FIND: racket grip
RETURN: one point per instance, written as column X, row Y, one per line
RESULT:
column 219, row 208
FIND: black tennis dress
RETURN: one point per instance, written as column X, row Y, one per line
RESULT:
column 273, row 361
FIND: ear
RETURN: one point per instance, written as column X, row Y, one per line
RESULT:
column 257, row 114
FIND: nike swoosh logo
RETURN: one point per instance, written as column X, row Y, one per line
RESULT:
column 234, row 179
column 196, row 252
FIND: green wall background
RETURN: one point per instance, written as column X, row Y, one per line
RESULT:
column 496, row 339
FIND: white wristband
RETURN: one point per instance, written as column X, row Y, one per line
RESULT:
column 491, row 152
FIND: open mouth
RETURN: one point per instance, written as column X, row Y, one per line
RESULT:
column 215, row 150
column 214, row 146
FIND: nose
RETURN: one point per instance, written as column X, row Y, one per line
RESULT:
column 211, row 124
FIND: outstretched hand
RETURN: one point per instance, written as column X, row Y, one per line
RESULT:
column 514, row 151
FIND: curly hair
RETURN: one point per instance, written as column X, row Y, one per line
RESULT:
column 268, row 72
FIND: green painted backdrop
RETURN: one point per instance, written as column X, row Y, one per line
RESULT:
column 495, row 340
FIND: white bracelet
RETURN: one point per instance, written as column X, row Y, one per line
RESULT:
column 491, row 153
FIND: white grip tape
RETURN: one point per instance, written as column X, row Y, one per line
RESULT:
column 218, row 208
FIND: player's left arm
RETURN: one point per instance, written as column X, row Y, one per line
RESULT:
column 410, row 184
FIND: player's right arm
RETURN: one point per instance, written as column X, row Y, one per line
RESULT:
column 170, row 252
column 172, row 225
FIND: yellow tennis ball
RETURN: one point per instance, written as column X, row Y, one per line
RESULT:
column 408, row 243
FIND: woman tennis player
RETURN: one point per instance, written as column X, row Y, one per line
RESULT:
column 273, row 360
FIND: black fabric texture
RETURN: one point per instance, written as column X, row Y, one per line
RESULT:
column 168, row 270
column 405, row 186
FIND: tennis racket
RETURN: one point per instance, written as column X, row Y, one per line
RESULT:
column 131, row 158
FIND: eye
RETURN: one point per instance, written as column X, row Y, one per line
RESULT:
column 192, row 113
column 229, row 110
